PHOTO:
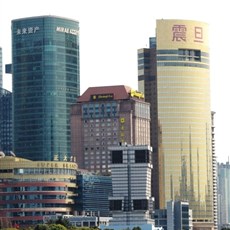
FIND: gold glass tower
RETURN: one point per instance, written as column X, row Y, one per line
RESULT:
column 174, row 76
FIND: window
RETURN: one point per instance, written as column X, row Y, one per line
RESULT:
column 117, row 157
column 140, row 204
column 142, row 156
column 115, row 205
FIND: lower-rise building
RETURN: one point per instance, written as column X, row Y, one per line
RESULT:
column 31, row 189
column 223, row 194
column 93, row 192
column 177, row 216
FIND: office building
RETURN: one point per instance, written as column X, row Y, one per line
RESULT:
column 177, row 216
column 106, row 116
column 0, row 67
column 45, row 68
column 223, row 194
column 31, row 189
column 131, row 203
column 93, row 192
column 174, row 76
column 6, row 132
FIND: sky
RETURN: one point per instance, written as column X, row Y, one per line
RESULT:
column 111, row 32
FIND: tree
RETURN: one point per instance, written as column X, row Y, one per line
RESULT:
column 137, row 228
column 64, row 222
column 57, row 227
column 41, row 227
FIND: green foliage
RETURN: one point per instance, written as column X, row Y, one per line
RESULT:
column 137, row 228
column 86, row 228
column 64, row 222
column 41, row 227
column 54, row 225
column 57, row 227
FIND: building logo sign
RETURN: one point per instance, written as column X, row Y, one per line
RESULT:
column 135, row 93
column 66, row 30
column 122, row 129
column 102, row 97
column 56, row 165
column 27, row 30
column 179, row 33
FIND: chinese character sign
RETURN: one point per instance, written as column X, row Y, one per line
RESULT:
column 179, row 33
column 182, row 34
column 198, row 33
column 27, row 30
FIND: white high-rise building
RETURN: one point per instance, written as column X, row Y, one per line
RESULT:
column 131, row 203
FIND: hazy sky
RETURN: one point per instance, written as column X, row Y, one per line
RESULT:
column 111, row 31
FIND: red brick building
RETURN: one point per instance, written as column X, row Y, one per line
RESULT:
column 107, row 116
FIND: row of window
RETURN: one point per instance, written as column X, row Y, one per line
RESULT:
column 116, row 205
column 141, row 156
column 57, row 171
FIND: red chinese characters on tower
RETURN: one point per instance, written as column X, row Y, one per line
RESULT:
column 198, row 34
column 179, row 33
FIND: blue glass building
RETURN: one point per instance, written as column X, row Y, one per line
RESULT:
column 0, row 67
column 5, row 121
column 93, row 192
column 46, row 82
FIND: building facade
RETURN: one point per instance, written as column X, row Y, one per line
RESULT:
column 0, row 67
column 131, row 203
column 6, row 132
column 177, row 216
column 103, row 117
column 214, row 165
column 31, row 189
column 93, row 192
column 174, row 76
column 46, row 81
column 223, row 194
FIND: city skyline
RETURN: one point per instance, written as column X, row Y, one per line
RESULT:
column 116, row 30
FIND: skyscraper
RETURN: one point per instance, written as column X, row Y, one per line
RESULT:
column 6, row 132
column 46, row 82
column 107, row 116
column 5, row 115
column 0, row 67
column 174, row 76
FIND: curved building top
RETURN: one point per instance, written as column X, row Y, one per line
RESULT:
column 9, row 163
column 174, row 34
column 44, row 16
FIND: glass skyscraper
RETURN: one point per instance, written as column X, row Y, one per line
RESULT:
column 0, row 67
column 46, row 81
column 174, row 76
column 5, row 121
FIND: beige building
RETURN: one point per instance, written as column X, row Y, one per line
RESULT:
column 31, row 189
column 107, row 116
column 174, row 76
